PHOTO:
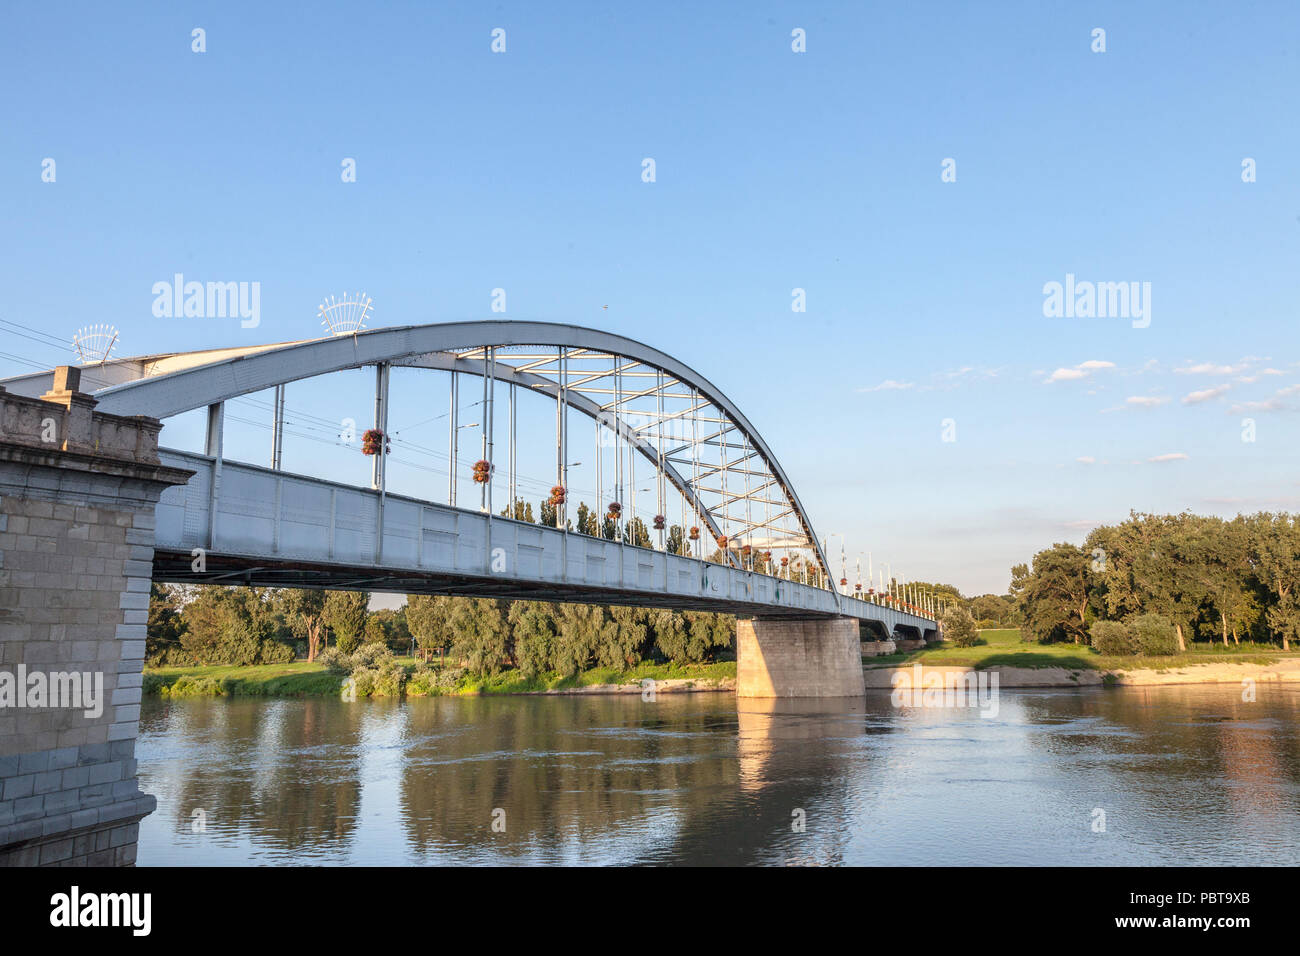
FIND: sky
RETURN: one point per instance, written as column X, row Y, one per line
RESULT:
column 921, row 171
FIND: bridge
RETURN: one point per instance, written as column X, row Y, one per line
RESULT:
column 94, row 510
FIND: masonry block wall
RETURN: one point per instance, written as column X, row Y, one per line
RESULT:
column 779, row 657
column 77, row 496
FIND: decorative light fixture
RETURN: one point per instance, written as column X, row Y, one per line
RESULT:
column 94, row 343
column 345, row 316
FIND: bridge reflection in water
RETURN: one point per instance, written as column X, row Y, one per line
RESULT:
column 581, row 779
column 700, row 779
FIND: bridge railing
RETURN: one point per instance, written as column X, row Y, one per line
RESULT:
column 235, row 509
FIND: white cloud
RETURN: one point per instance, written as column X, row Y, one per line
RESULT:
column 1085, row 459
column 1146, row 401
column 1204, row 395
column 1268, row 405
column 1082, row 370
column 1209, row 368
column 889, row 385
column 1066, row 375
column 1172, row 456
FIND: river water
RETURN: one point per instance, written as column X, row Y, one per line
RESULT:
column 1100, row 776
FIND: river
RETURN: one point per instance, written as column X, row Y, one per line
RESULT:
column 1100, row 776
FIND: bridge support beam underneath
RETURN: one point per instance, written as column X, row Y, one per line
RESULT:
column 799, row 658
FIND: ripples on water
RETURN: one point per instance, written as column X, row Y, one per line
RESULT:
column 1185, row 775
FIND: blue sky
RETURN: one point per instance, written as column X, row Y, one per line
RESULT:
column 775, row 170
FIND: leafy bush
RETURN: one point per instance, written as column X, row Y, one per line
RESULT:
column 335, row 661
column 959, row 627
column 429, row 681
column 449, row 678
column 275, row 652
column 1112, row 638
column 190, row 686
column 385, row 680
column 174, row 656
column 1154, row 635
column 371, row 655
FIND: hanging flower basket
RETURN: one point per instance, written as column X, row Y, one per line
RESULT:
column 695, row 534
column 660, row 522
column 373, row 442
column 857, row 587
column 843, row 581
column 557, row 495
column 785, row 562
column 767, row 556
column 615, row 509
column 722, row 541
column 746, row 550
column 483, row 471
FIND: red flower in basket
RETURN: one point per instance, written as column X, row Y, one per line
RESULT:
column 722, row 541
column 695, row 533
column 373, row 442
column 660, row 521
column 557, row 495
column 615, row 509
column 784, row 562
column 844, row 581
column 482, row 471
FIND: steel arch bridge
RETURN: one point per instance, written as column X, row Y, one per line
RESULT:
column 265, row 526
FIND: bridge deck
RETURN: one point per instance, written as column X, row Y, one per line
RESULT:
column 278, row 529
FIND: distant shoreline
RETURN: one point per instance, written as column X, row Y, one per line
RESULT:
column 1283, row 671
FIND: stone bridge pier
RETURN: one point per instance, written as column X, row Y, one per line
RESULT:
column 77, row 496
column 784, row 657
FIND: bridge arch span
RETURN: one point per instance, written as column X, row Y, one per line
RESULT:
column 558, row 360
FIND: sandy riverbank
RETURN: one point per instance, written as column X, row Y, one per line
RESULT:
column 1218, row 673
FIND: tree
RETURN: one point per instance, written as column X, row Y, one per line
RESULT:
column 345, row 613
column 521, row 511
column 991, row 607
column 234, row 625
column 1053, row 597
column 693, row 636
column 632, row 626
column 959, row 627
column 165, row 624
column 587, row 523
column 1275, row 552
column 533, row 630
column 548, row 514
column 676, row 540
column 305, row 612
column 479, row 634
column 428, row 618
column 581, row 629
column 1167, row 574
column 635, row 533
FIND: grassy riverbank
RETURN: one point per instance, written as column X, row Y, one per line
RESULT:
column 1004, row 648
column 301, row 679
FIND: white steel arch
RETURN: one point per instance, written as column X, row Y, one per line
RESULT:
column 706, row 448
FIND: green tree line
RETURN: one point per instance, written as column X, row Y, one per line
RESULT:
column 248, row 625
column 1209, row 578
